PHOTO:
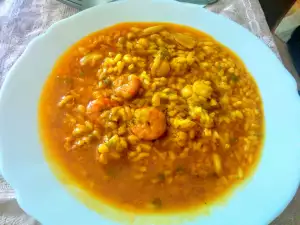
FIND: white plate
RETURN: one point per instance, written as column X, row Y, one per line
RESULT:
column 41, row 195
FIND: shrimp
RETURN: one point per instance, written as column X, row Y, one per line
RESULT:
column 127, row 87
column 150, row 123
column 96, row 106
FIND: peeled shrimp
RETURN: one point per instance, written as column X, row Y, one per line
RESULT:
column 127, row 87
column 150, row 123
column 96, row 106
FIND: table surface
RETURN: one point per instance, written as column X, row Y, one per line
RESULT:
column 22, row 20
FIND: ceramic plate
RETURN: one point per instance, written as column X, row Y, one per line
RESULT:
column 39, row 192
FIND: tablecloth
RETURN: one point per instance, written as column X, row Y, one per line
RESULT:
column 22, row 20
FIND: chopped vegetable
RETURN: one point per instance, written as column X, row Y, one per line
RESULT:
column 234, row 78
column 157, row 202
column 161, row 177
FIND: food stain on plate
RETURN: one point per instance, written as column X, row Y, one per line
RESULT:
column 151, row 119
